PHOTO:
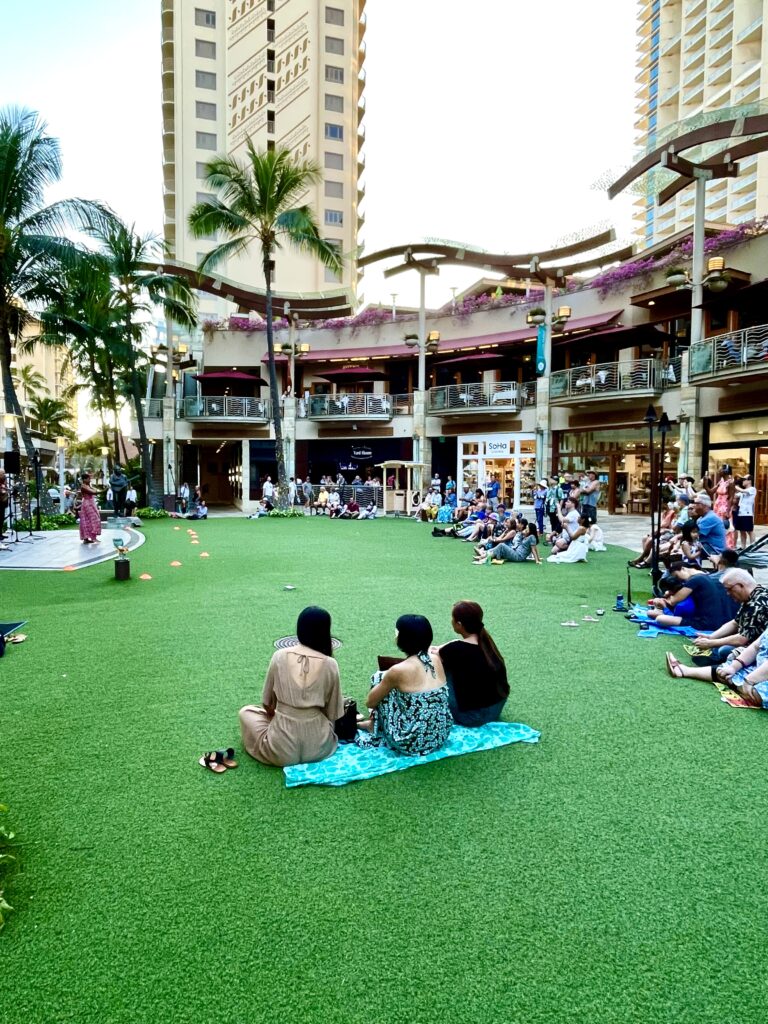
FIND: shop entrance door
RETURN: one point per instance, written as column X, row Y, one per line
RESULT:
column 761, row 484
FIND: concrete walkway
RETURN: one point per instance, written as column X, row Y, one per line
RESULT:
column 59, row 550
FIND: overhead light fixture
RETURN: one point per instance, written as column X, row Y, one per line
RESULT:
column 652, row 302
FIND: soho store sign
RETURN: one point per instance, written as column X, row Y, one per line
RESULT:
column 496, row 448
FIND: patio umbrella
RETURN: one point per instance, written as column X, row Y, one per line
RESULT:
column 230, row 375
column 352, row 374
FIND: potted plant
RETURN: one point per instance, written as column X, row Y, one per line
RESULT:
column 677, row 277
column 537, row 315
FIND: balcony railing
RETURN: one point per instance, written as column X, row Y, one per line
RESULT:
column 153, row 408
column 730, row 355
column 226, row 407
column 607, row 380
column 355, row 407
column 490, row 396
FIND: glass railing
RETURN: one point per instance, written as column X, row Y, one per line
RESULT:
column 604, row 380
column 750, row 29
column 729, row 355
column 496, row 396
column 340, row 407
column 153, row 408
column 226, row 407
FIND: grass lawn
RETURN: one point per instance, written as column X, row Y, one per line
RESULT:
column 612, row 873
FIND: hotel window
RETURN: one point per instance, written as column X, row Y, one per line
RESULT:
column 333, row 45
column 270, row 30
column 205, row 18
column 334, row 161
column 270, row 122
column 334, row 16
column 331, row 276
column 333, row 74
column 334, row 189
column 205, row 79
column 334, row 217
column 206, row 110
column 271, row 6
column 205, row 48
column 334, row 131
column 270, row 62
column 334, row 103
column 205, row 140
column 201, row 169
column 270, row 146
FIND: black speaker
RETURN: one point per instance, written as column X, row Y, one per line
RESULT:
column 12, row 462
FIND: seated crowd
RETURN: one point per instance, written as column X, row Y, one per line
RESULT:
column 501, row 536
column 412, row 705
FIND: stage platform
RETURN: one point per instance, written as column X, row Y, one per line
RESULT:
column 62, row 550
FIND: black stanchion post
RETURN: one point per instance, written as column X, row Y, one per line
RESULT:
column 663, row 428
column 39, row 488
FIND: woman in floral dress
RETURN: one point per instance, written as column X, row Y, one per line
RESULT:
column 90, row 519
column 410, row 712
column 722, row 501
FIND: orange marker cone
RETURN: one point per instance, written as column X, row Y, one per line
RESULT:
column 204, row 554
column 175, row 563
column 145, row 576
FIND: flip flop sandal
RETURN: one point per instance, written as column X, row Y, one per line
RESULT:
column 672, row 665
column 227, row 757
column 16, row 638
column 213, row 761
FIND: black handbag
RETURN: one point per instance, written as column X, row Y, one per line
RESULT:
column 346, row 726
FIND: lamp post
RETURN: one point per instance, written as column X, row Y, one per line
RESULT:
column 61, row 447
column 38, row 481
column 9, row 421
column 662, row 426
column 292, row 348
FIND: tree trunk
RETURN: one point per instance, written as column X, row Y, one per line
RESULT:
column 146, row 460
column 12, row 404
column 283, row 498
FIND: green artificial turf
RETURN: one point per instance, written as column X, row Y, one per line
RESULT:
column 612, row 873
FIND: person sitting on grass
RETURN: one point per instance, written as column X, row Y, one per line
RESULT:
column 570, row 527
column 200, row 511
column 369, row 512
column 578, row 545
column 409, row 706
column 509, row 532
column 711, row 607
column 301, row 699
column 595, row 538
column 745, row 672
column 474, row 669
column 749, row 622
column 510, row 552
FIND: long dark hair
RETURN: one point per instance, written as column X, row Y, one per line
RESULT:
column 470, row 615
column 414, row 634
column 313, row 628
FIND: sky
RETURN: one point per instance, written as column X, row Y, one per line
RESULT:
column 486, row 123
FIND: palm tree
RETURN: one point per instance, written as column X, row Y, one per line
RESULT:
column 32, row 247
column 31, row 382
column 85, row 320
column 52, row 415
column 256, row 203
column 134, row 263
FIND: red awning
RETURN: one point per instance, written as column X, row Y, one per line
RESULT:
column 229, row 375
column 351, row 373
column 473, row 357
column 448, row 345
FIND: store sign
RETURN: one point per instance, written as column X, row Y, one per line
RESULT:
column 361, row 452
column 498, row 447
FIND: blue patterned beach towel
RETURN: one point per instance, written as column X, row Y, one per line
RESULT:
column 351, row 763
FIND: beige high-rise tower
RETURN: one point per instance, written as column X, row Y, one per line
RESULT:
column 287, row 73
column 696, row 56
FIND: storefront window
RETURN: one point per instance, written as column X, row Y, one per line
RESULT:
column 730, row 431
column 511, row 459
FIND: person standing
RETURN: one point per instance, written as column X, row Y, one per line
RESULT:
column 552, row 504
column 492, row 491
column 118, row 482
column 306, row 490
column 539, row 503
column 184, row 497
column 90, row 518
column 268, row 490
column 131, row 500
column 3, row 501
column 590, row 495
column 291, row 492
column 744, row 519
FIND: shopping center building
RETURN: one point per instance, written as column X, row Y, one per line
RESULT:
column 618, row 344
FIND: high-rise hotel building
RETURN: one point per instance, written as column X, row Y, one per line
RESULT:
column 696, row 56
column 286, row 73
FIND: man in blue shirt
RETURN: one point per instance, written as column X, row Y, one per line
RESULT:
column 493, row 492
column 710, row 526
